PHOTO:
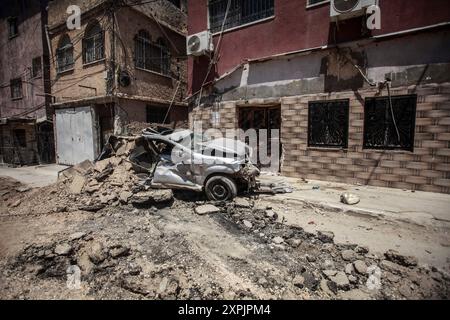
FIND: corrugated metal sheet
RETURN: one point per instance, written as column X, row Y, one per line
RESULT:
column 75, row 135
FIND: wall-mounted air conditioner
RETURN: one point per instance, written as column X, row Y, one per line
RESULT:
column 200, row 43
column 345, row 9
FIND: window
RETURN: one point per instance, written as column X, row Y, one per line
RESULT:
column 151, row 56
column 36, row 67
column 328, row 123
column 93, row 43
column 311, row 3
column 240, row 12
column 13, row 29
column 20, row 138
column 16, row 88
column 390, row 128
column 64, row 54
column 156, row 114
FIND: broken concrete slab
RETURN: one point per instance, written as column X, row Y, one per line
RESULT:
column 153, row 196
column 241, row 203
column 63, row 249
column 77, row 184
column 206, row 209
column 349, row 198
column 396, row 257
column 325, row 236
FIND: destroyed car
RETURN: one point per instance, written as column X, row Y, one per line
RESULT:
column 219, row 167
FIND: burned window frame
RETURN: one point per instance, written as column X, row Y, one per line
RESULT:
column 64, row 55
column 36, row 67
column 161, row 114
column 340, row 120
column 241, row 13
column 93, row 44
column 16, row 88
column 151, row 56
column 405, row 122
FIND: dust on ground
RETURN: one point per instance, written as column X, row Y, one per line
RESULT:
column 129, row 242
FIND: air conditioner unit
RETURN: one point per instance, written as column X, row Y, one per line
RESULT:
column 345, row 9
column 200, row 43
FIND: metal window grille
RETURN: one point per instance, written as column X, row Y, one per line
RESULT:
column 328, row 123
column 16, row 88
column 93, row 48
column 241, row 12
column 380, row 129
column 152, row 56
column 64, row 55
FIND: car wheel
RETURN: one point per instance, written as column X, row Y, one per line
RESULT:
column 220, row 188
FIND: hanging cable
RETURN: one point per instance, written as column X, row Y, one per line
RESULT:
column 388, row 85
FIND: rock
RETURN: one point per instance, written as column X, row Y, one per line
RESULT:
column 124, row 196
column 77, row 184
column 330, row 273
column 248, row 224
column 325, row 236
column 76, row 236
column 360, row 266
column 63, row 249
column 206, row 209
column 310, row 281
column 151, row 197
column 328, row 264
column 341, row 280
column 16, row 203
column 85, row 263
column 348, row 255
column 349, row 198
column 298, row 281
column 101, row 165
column 119, row 251
column 310, row 258
column 23, row 189
column 294, row 242
column 324, row 285
column 262, row 281
column 352, row 279
column 271, row 214
column 241, row 203
column 396, row 257
column 96, row 252
column 362, row 250
column 349, row 268
column 355, row 294
column 91, row 208
column 405, row 290
column 278, row 240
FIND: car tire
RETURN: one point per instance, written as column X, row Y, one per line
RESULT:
column 220, row 188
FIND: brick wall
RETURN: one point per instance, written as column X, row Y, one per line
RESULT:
column 427, row 168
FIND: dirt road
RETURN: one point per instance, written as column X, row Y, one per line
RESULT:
column 246, row 250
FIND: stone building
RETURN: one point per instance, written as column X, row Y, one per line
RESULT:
column 126, row 63
column 26, row 131
column 352, row 104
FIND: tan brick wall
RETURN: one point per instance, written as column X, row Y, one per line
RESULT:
column 425, row 169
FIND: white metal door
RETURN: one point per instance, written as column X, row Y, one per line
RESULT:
column 74, row 135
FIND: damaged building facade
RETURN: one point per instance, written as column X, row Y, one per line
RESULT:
column 26, row 128
column 353, row 105
column 126, row 64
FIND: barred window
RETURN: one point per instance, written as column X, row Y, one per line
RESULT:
column 240, row 12
column 64, row 54
column 16, row 88
column 390, row 128
column 152, row 56
column 93, row 43
column 328, row 123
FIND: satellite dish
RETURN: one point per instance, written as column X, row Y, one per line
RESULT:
column 194, row 44
column 345, row 5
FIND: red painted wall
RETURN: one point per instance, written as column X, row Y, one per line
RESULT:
column 295, row 27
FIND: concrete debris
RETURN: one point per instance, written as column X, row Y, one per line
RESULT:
column 63, row 249
column 206, row 209
column 77, row 184
column 325, row 236
column 247, row 223
column 278, row 240
column 348, row 255
column 396, row 257
column 349, row 198
column 241, row 203
column 360, row 266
